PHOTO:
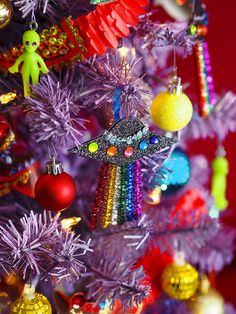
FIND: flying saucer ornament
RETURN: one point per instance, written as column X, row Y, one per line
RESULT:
column 118, row 195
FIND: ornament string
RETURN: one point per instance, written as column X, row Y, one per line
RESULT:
column 33, row 25
column 116, row 103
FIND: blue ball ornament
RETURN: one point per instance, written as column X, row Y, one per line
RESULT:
column 176, row 171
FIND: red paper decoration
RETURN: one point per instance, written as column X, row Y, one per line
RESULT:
column 84, row 36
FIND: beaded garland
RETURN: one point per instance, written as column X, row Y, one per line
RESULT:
column 206, row 93
column 118, row 195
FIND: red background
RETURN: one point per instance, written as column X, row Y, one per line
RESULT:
column 222, row 46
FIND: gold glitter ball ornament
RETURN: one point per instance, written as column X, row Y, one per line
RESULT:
column 180, row 282
column 5, row 13
column 209, row 303
column 38, row 305
column 207, row 300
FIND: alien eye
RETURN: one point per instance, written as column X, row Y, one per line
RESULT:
column 34, row 43
column 27, row 43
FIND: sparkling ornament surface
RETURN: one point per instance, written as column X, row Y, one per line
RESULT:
column 5, row 13
column 143, row 145
column 126, row 133
column 154, row 139
column 176, row 171
column 118, row 195
column 171, row 112
column 179, row 281
column 111, row 151
column 206, row 93
column 128, row 152
column 209, row 303
column 109, row 196
column 93, row 147
column 38, row 305
column 77, row 300
column 55, row 192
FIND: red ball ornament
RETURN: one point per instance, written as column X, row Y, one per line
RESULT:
column 4, row 130
column 77, row 301
column 55, row 190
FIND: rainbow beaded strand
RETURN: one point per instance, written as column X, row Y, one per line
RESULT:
column 205, row 80
column 129, row 212
column 98, row 197
column 122, row 205
column 110, row 192
column 137, row 190
column 116, row 202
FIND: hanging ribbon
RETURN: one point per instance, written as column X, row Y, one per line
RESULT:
column 116, row 103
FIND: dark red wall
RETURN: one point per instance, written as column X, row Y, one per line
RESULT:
column 222, row 46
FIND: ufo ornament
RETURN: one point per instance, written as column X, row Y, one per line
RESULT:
column 121, row 148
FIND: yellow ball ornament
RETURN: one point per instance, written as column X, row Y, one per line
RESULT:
column 172, row 110
column 179, row 280
column 31, row 303
column 5, row 13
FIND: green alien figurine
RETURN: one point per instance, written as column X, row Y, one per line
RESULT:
column 32, row 62
column 220, row 168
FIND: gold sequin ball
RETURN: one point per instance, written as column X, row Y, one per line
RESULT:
column 38, row 305
column 179, row 281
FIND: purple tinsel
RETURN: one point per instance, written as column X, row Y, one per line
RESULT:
column 218, row 251
column 53, row 116
column 218, row 123
column 164, row 35
column 102, row 75
column 184, row 230
column 40, row 246
column 113, row 279
column 45, row 6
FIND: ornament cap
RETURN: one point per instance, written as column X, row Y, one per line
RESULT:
column 220, row 152
column 29, row 292
column 54, row 167
column 179, row 258
column 175, row 86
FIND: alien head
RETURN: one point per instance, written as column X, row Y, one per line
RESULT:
column 31, row 40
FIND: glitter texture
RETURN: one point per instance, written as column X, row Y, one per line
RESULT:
column 124, row 128
column 109, row 196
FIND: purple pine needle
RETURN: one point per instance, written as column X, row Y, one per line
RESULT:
column 106, row 73
column 53, row 115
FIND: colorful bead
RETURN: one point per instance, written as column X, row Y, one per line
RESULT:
column 153, row 139
column 143, row 145
column 111, row 151
column 128, row 152
column 204, row 78
column 93, row 147
column 193, row 29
